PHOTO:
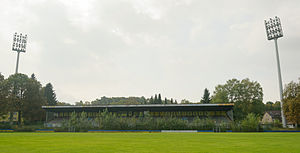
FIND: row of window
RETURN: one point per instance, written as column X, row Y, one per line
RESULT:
column 153, row 114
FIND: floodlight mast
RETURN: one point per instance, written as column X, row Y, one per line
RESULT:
column 19, row 45
column 274, row 31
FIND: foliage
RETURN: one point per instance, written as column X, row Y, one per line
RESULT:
column 49, row 94
column 81, row 103
column 109, row 121
column 291, row 102
column 184, row 101
column 246, row 95
column 119, row 101
column 23, row 95
column 250, row 123
column 5, row 126
column 3, row 99
column 270, row 106
column 277, row 124
column 77, row 123
column 63, row 104
column 157, row 99
column 203, row 124
column 206, row 97
column 1, row 77
column 220, row 97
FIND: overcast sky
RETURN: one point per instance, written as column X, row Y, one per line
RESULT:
column 88, row 48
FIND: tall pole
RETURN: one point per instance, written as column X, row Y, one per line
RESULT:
column 274, row 31
column 19, row 45
column 280, row 84
column 17, row 65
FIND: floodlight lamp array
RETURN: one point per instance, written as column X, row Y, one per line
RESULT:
column 273, row 28
column 19, row 42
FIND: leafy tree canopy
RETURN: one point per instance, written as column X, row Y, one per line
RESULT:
column 291, row 102
column 23, row 95
column 245, row 94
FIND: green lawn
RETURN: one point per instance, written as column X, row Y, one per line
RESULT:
column 149, row 142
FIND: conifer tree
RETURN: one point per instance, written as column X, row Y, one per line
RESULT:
column 50, row 95
column 151, row 100
column 155, row 99
column 206, row 98
column 159, row 101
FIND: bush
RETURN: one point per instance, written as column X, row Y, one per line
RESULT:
column 25, row 129
column 277, row 124
column 202, row 124
column 235, row 127
column 109, row 121
column 250, row 123
column 5, row 126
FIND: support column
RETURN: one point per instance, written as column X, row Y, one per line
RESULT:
column 280, row 85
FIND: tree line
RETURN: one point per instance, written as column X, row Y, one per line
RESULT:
column 25, row 95
column 156, row 99
column 247, row 97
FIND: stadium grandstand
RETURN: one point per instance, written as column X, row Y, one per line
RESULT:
column 216, row 112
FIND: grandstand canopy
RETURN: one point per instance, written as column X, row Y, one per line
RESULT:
column 151, row 107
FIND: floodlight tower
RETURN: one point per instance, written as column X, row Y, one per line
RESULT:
column 19, row 45
column 274, row 31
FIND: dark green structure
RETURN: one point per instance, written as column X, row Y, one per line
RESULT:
column 217, row 112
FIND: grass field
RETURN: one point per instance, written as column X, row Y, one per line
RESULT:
column 149, row 142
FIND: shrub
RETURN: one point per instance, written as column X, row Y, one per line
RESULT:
column 277, row 124
column 25, row 129
column 5, row 126
column 108, row 121
column 250, row 123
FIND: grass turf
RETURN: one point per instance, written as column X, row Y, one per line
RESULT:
column 149, row 142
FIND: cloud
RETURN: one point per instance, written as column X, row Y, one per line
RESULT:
column 88, row 49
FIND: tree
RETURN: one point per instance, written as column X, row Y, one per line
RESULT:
column 151, row 101
column 33, row 76
column 80, row 103
column 220, row 97
column 50, row 94
column 277, row 105
column 159, row 101
column 143, row 100
column 83, row 122
column 269, row 106
column 250, row 123
column 23, row 95
column 291, row 102
column 3, row 102
column 155, row 99
column 63, row 104
column 33, row 102
column 205, row 99
column 246, row 95
column 166, row 100
column 1, row 77
column 184, row 101
column 118, row 101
